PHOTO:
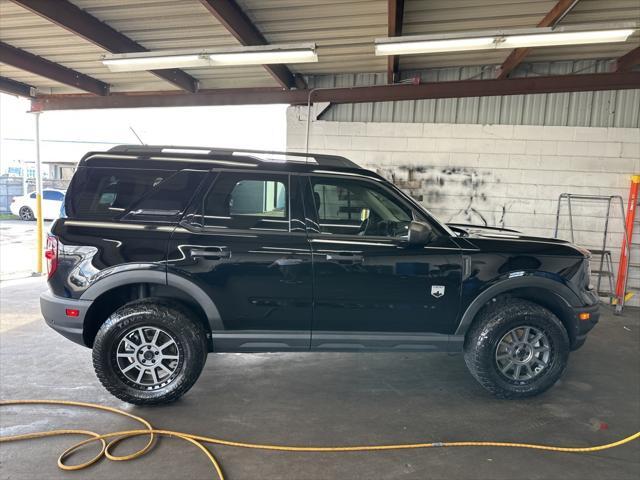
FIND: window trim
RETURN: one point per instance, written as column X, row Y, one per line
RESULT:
column 315, row 234
column 200, row 205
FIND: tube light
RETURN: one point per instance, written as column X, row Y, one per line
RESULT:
column 264, row 58
column 135, row 64
column 505, row 39
column 260, row 55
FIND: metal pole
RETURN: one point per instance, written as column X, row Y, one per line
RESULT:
column 39, row 219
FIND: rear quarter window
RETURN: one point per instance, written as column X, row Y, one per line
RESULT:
column 110, row 193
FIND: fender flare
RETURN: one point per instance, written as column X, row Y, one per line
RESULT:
column 560, row 291
column 162, row 278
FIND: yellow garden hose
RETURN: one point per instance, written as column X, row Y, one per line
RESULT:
column 199, row 441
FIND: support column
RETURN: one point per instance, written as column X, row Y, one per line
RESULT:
column 39, row 219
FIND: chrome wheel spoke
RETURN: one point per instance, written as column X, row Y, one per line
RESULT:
column 133, row 365
column 156, row 334
column 506, row 368
column 140, row 375
column 153, row 374
column 141, row 335
column 516, row 373
column 165, row 345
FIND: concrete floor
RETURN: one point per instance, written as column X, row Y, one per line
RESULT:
column 329, row 399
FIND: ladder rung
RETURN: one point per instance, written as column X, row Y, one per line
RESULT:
column 602, row 272
column 600, row 252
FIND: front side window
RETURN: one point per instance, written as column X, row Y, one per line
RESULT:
column 352, row 207
column 247, row 201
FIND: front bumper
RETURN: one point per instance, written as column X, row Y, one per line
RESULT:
column 584, row 326
column 53, row 310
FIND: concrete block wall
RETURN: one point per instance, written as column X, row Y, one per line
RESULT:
column 496, row 175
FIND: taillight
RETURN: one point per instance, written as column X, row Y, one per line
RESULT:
column 51, row 255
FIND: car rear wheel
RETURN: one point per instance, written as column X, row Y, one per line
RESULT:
column 149, row 352
column 26, row 214
column 516, row 348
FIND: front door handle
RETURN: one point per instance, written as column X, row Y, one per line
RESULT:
column 213, row 253
column 344, row 257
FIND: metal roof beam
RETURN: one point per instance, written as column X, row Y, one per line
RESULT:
column 14, row 87
column 395, row 11
column 32, row 63
column 377, row 93
column 552, row 18
column 66, row 15
column 628, row 61
column 242, row 28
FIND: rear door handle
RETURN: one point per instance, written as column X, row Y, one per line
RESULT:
column 344, row 257
column 213, row 253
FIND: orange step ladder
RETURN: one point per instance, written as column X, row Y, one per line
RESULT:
column 621, row 293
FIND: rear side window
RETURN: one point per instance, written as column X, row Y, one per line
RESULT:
column 109, row 193
column 247, row 201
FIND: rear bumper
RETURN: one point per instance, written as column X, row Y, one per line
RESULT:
column 53, row 310
column 583, row 327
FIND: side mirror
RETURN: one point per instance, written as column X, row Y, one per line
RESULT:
column 419, row 234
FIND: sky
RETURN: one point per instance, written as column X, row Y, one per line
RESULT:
column 70, row 134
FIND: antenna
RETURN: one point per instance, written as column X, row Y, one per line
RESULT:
column 137, row 136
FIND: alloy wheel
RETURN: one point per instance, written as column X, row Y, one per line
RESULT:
column 523, row 353
column 148, row 357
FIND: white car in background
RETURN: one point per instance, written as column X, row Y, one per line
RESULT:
column 25, row 205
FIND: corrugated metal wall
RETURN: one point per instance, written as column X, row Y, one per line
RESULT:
column 616, row 108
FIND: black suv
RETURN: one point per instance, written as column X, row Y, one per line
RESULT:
column 168, row 253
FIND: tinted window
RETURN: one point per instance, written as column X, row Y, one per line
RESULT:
column 247, row 201
column 108, row 193
column 52, row 195
column 169, row 198
column 355, row 207
column 33, row 195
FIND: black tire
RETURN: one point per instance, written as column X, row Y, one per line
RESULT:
column 490, row 327
column 26, row 214
column 174, row 320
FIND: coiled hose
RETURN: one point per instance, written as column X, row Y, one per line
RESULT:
column 199, row 441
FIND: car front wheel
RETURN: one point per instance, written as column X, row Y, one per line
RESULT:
column 516, row 348
column 149, row 352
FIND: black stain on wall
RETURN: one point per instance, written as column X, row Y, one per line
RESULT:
column 433, row 185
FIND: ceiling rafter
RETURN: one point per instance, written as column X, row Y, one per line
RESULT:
column 376, row 93
column 14, row 87
column 236, row 21
column 75, row 20
column 552, row 18
column 629, row 60
column 53, row 71
column 395, row 11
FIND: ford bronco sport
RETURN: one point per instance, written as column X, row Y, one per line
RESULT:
column 166, row 254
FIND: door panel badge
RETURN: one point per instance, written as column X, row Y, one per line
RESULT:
column 437, row 291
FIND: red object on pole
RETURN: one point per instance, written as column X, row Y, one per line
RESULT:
column 624, row 254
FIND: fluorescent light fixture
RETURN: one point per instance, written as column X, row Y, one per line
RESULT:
column 264, row 58
column 513, row 38
column 260, row 55
column 127, row 63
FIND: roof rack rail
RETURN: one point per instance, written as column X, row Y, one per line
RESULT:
column 260, row 155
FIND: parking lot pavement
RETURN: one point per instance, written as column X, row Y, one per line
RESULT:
column 328, row 399
column 18, row 248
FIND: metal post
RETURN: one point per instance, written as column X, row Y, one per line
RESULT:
column 39, row 219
